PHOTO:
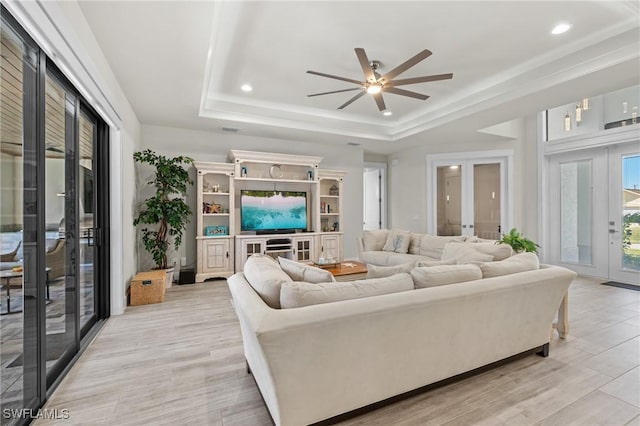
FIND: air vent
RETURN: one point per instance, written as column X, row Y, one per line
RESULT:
column 230, row 129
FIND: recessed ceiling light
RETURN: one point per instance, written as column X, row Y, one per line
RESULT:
column 246, row 88
column 561, row 28
column 453, row 167
column 387, row 113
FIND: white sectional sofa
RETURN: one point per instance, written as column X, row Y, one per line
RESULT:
column 374, row 247
column 312, row 363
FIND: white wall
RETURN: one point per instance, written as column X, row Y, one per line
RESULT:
column 408, row 181
column 210, row 146
column 61, row 30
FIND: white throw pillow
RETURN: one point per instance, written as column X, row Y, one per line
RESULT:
column 397, row 241
column 301, row 272
column 299, row 294
column 427, row 263
column 414, row 243
column 433, row 246
column 518, row 263
column 265, row 277
column 374, row 271
column 464, row 253
column 433, row 276
column 498, row 251
column 374, row 240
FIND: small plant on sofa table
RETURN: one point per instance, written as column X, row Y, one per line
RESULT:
column 518, row 242
column 166, row 209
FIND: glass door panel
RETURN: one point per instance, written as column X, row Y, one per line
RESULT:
column 449, row 200
column 575, row 212
column 87, row 203
column 486, row 200
column 60, row 191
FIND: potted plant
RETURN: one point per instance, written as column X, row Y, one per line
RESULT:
column 166, row 210
column 518, row 242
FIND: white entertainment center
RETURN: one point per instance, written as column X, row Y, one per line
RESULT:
column 223, row 246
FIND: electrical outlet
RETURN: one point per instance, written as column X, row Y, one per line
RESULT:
column 183, row 261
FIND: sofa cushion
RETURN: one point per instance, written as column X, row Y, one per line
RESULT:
column 433, row 246
column 435, row 262
column 374, row 271
column 266, row 277
column 389, row 258
column 498, row 251
column 374, row 240
column 397, row 241
column 301, row 272
column 299, row 294
column 518, row 263
column 433, row 276
column 414, row 243
column 464, row 253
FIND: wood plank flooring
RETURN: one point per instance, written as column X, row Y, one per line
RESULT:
column 181, row 362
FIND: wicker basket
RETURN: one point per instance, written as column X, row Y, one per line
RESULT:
column 148, row 287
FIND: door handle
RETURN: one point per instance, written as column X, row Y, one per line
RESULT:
column 470, row 226
column 227, row 255
column 613, row 231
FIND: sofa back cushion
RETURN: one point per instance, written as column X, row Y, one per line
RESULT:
column 518, row 263
column 374, row 240
column 435, row 262
column 433, row 246
column 432, row 276
column 265, row 276
column 498, row 251
column 464, row 253
column 414, row 243
column 299, row 294
column 374, row 271
column 397, row 241
column 300, row 272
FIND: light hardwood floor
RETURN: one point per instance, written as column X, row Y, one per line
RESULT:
column 181, row 362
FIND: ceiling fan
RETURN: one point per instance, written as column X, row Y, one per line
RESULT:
column 375, row 84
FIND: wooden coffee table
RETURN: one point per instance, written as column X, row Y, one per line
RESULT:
column 349, row 271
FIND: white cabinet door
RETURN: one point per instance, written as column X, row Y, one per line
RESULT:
column 248, row 248
column 330, row 246
column 216, row 255
column 303, row 250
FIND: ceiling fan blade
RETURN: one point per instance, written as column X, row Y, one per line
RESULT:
column 335, row 91
column 406, row 65
column 420, row 79
column 364, row 63
column 321, row 74
column 380, row 101
column 355, row 98
column 403, row 92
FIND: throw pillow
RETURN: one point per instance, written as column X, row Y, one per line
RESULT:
column 464, row 253
column 301, row 272
column 432, row 246
column 397, row 241
column 265, row 277
column 374, row 240
column 299, row 294
column 518, row 263
column 374, row 271
column 433, row 276
column 498, row 251
column 427, row 263
column 414, row 244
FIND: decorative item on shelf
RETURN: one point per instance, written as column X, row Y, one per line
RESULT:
column 328, row 208
column 243, row 171
column 211, row 208
column 310, row 175
column 324, row 224
column 216, row 230
column 334, row 228
column 205, row 186
column 275, row 171
column 334, row 190
column 215, row 187
column 323, row 207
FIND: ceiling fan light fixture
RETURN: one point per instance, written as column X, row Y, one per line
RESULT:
column 561, row 28
column 387, row 113
column 372, row 89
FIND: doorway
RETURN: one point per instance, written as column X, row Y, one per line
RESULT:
column 374, row 196
column 469, row 194
column 594, row 221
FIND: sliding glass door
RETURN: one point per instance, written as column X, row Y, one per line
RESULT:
column 53, row 221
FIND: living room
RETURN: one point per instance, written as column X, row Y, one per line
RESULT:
column 167, row 76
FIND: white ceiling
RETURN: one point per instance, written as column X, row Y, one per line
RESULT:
column 182, row 63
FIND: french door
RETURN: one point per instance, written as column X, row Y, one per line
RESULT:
column 594, row 217
column 469, row 195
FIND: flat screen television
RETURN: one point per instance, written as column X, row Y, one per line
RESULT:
column 273, row 210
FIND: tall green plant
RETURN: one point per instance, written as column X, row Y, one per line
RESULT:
column 518, row 242
column 167, row 208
